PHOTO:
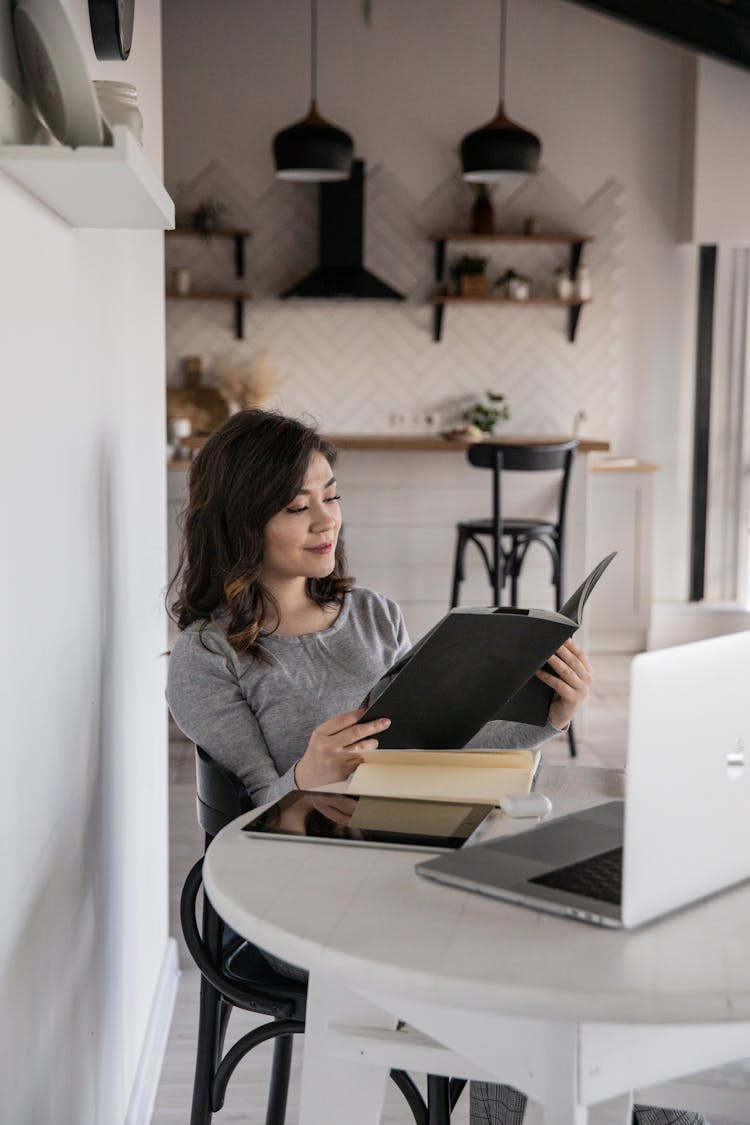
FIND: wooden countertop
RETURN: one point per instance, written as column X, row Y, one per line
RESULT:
column 429, row 443
column 433, row 443
column 623, row 465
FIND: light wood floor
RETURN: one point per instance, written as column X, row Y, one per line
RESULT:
column 604, row 745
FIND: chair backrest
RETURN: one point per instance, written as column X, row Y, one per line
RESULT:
column 220, row 795
column 499, row 457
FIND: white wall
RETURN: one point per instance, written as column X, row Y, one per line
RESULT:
column 609, row 102
column 722, row 153
column 83, row 930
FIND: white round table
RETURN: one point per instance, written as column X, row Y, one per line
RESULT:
column 572, row 1014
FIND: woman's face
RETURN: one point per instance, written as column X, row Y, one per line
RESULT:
column 300, row 540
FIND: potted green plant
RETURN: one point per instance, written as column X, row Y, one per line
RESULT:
column 471, row 279
column 208, row 215
column 486, row 415
column 517, row 285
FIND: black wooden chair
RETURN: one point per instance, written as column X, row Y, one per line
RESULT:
column 508, row 539
column 234, row 974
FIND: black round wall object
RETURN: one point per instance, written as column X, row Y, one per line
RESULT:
column 111, row 27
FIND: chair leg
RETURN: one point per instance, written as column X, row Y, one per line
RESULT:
column 457, row 1086
column 458, row 567
column 225, row 1011
column 212, row 1021
column 279, row 1088
column 558, row 581
column 209, row 1033
column 498, row 572
column 516, row 558
column 414, row 1099
column 572, row 742
column 438, row 1100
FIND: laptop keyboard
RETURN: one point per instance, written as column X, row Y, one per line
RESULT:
column 599, row 877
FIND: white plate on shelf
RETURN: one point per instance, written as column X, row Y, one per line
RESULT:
column 55, row 70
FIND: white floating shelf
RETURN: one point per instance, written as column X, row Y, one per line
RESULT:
column 110, row 187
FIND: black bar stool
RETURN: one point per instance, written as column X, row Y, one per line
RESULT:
column 510, row 538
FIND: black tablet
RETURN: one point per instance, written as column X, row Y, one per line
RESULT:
column 401, row 822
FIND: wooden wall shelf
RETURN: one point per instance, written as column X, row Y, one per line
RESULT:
column 456, row 298
column 238, row 299
column 238, row 236
column 574, row 305
column 469, row 236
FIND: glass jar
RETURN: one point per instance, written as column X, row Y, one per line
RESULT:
column 582, row 284
column 118, row 102
column 564, row 287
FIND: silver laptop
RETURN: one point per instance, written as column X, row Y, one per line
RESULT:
column 682, row 832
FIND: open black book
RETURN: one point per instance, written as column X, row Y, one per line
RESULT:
column 475, row 665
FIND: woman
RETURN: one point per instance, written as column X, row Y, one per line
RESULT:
column 278, row 647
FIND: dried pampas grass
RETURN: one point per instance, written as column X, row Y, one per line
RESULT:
column 246, row 382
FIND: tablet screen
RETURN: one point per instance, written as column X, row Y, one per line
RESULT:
column 370, row 820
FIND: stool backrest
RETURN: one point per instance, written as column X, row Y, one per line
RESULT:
column 220, row 795
column 525, row 458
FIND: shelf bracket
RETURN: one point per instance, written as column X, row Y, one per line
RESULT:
column 239, row 318
column 576, row 250
column 239, row 255
column 574, row 313
column 437, row 322
column 439, row 259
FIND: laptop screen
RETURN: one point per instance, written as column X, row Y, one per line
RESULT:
column 687, row 803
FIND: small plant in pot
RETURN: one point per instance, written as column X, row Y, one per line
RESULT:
column 208, row 216
column 486, row 415
column 471, row 279
column 516, row 285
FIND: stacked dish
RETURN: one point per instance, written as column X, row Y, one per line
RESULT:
column 55, row 71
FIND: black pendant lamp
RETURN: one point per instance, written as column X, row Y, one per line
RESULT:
column 501, row 150
column 312, row 150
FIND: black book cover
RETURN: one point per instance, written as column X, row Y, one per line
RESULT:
column 473, row 666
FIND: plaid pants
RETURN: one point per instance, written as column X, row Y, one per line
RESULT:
column 492, row 1104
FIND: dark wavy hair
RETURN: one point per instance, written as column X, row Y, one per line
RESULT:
column 251, row 468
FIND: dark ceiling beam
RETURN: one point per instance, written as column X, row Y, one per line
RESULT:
column 715, row 27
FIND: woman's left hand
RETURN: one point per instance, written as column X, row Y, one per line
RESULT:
column 571, row 678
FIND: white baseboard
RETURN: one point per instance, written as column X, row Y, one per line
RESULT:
column 676, row 623
column 145, row 1085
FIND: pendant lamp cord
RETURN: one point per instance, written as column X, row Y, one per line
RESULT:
column 313, row 51
column 503, row 25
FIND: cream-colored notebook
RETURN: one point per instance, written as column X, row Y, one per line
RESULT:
column 472, row 775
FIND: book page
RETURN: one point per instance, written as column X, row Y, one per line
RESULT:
column 573, row 607
column 495, row 759
column 454, row 782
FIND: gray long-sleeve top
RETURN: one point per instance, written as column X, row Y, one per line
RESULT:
column 255, row 717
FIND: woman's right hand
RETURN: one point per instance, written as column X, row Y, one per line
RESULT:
column 335, row 748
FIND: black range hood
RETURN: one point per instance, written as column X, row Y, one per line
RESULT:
column 716, row 27
column 341, row 245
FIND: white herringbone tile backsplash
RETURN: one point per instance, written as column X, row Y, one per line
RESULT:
column 355, row 365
